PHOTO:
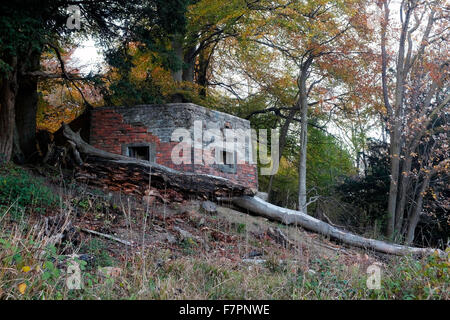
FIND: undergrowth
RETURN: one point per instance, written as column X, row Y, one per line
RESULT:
column 20, row 192
column 33, row 267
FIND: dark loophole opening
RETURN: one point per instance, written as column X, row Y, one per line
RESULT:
column 227, row 158
column 141, row 153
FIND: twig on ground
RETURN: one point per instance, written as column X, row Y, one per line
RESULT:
column 107, row 236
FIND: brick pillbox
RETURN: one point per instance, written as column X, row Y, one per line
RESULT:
column 145, row 132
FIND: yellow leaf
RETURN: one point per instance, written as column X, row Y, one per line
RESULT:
column 22, row 288
column 26, row 269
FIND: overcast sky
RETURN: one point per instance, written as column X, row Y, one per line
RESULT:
column 88, row 57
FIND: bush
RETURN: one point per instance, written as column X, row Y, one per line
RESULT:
column 20, row 191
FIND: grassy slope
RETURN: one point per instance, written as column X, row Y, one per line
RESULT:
column 165, row 264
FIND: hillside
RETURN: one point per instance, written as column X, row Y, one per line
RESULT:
column 167, row 247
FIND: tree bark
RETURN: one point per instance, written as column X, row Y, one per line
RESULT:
column 26, row 108
column 204, row 59
column 415, row 216
column 303, row 104
column 8, row 92
column 292, row 217
column 302, row 160
column 189, row 61
column 177, row 47
column 404, row 186
column 393, row 187
column 396, row 136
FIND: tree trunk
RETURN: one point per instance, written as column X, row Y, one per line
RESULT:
column 283, row 137
column 393, row 187
column 26, row 108
column 404, row 186
column 395, row 114
column 415, row 216
column 17, row 154
column 292, row 217
column 8, row 92
column 189, row 61
column 177, row 47
column 302, row 160
column 204, row 59
column 396, row 136
column 303, row 104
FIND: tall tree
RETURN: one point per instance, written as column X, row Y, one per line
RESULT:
column 413, row 96
column 28, row 28
column 314, row 41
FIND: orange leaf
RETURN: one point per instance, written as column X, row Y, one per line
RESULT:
column 22, row 287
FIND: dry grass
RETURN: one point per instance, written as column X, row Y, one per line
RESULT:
column 207, row 266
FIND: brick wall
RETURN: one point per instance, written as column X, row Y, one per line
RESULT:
column 112, row 129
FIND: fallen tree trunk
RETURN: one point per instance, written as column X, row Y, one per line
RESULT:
column 121, row 173
column 293, row 217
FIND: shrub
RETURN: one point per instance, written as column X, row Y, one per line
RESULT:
column 20, row 191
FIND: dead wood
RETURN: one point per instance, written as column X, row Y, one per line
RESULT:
column 293, row 217
column 107, row 236
column 129, row 175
